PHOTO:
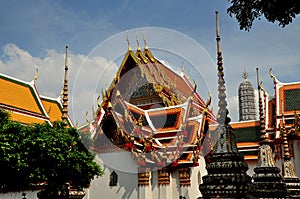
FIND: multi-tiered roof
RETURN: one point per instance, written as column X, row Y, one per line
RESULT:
column 153, row 112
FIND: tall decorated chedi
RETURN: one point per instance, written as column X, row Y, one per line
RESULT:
column 288, row 169
column 247, row 109
column 267, row 180
column 226, row 168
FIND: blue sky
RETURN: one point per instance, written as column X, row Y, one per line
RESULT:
column 34, row 34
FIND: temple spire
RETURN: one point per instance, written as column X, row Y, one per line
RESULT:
column 222, row 117
column 267, row 181
column 263, row 135
column 286, row 151
column 64, row 116
column 290, row 177
column 224, row 181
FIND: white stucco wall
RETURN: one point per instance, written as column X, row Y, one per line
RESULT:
column 128, row 182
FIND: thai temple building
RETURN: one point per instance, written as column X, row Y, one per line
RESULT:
column 154, row 118
column 153, row 133
column 26, row 106
column 126, row 129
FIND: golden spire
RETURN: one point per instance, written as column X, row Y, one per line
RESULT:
column 145, row 42
column 64, row 116
column 222, row 116
column 245, row 74
column 137, row 41
column 129, row 47
column 182, row 68
column 263, row 135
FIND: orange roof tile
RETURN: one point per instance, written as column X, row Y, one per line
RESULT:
column 53, row 108
column 26, row 119
column 20, row 95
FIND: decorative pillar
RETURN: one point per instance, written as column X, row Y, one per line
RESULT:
column 143, row 183
column 184, row 176
column 163, row 176
column 164, row 188
column 143, row 176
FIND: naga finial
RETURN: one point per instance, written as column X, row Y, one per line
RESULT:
column 137, row 41
column 86, row 117
column 195, row 86
column 127, row 39
column 145, row 42
column 98, row 101
column 273, row 76
column 208, row 100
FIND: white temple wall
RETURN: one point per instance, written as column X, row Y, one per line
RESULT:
column 127, row 186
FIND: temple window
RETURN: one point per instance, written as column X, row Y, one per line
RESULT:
column 113, row 179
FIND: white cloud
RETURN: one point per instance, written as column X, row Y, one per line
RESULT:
column 84, row 73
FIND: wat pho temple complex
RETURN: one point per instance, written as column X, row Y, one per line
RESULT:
column 153, row 134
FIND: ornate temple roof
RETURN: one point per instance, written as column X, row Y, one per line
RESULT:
column 22, row 99
column 153, row 112
column 284, row 102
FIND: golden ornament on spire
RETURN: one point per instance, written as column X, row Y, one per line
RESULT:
column 245, row 74
column 36, row 75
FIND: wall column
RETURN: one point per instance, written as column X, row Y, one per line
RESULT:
column 143, row 183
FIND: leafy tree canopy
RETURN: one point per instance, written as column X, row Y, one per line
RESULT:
column 246, row 11
column 41, row 153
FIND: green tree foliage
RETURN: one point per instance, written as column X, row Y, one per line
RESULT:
column 246, row 11
column 43, row 154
